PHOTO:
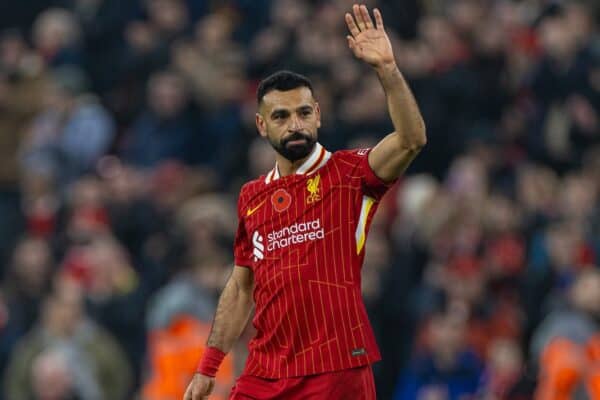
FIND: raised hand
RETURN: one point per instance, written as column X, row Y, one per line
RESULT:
column 369, row 42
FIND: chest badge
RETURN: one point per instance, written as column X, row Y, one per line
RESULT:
column 281, row 200
column 313, row 186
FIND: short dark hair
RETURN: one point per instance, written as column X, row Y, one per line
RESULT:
column 281, row 80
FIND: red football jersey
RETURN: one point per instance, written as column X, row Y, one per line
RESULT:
column 303, row 236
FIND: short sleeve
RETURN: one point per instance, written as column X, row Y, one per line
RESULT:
column 372, row 185
column 242, row 248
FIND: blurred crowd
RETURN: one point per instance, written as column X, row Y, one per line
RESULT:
column 127, row 129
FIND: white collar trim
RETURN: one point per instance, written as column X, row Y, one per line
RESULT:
column 316, row 160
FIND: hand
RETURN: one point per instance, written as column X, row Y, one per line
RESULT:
column 367, row 42
column 199, row 388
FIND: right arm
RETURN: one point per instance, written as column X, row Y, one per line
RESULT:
column 230, row 320
column 233, row 310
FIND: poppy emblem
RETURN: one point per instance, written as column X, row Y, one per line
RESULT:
column 281, row 200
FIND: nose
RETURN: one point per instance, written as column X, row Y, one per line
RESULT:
column 295, row 123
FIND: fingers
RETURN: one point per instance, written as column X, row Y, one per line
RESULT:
column 358, row 16
column 361, row 20
column 352, row 25
column 364, row 13
column 378, row 19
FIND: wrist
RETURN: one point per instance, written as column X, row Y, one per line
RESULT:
column 210, row 362
column 386, row 68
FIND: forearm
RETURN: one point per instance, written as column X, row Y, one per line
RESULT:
column 232, row 315
column 404, row 112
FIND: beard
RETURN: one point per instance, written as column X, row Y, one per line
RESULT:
column 296, row 151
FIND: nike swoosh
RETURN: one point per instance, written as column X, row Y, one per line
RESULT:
column 253, row 210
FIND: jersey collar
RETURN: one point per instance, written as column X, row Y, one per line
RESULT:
column 316, row 160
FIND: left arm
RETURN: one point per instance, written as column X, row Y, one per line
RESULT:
column 392, row 155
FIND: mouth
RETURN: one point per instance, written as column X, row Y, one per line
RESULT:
column 297, row 142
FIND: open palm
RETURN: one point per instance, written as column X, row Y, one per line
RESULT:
column 369, row 42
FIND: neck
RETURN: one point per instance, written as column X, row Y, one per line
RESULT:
column 287, row 167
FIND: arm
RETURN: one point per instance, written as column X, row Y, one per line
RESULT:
column 392, row 155
column 231, row 317
column 233, row 310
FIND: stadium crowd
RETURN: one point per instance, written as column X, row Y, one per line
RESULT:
column 127, row 129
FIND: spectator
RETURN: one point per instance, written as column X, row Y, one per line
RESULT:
column 447, row 368
column 71, row 134
column 165, row 130
column 57, row 37
column 101, row 369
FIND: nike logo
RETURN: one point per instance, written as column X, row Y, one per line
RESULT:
column 253, row 210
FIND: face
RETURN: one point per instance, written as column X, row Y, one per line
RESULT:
column 289, row 120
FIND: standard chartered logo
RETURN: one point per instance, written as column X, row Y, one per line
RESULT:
column 259, row 247
column 299, row 232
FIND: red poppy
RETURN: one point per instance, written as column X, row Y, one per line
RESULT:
column 281, row 200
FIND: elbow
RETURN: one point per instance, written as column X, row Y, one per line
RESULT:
column 420, row 138
column 420, row 142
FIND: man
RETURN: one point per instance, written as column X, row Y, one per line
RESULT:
column 300, row 241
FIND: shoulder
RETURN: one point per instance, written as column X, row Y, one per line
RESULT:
column 352, row 154
column 350, row 158
column 251, row 188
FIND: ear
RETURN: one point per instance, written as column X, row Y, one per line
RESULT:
column 318, row 114
column 261, row 125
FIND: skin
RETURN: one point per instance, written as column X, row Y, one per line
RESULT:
column 285, row 113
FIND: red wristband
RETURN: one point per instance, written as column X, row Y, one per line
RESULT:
column 210, row 362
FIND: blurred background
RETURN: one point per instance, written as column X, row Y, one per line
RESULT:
column 127, row 129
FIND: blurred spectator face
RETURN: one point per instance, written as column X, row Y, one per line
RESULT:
column 63, row 310
column 123, row 183
column 89, row 216
column 580, row 21
column 211, row 273
column 260, row 157
column 31, row 263
column 53, row 30
column 441, row 38
column 537, row 188
column 12, row 49
column 87, row 192
column 110, row 267
column 463, row 282
column 214, row 31
column 52, row 378
column 447, row 337
column 289, row 120
column 562, row 244
column 415, row 59
column 167, row 96
column 557, row 39
column 467, row 178
column 289, row 14
column 169, row 16
column 578, row 197
column 206, row 219
column 504, row 356
column 505, row 363
column 585, row 293
column 490, row 37
column 315, row 47
column 501, row 215
column 465, row 14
